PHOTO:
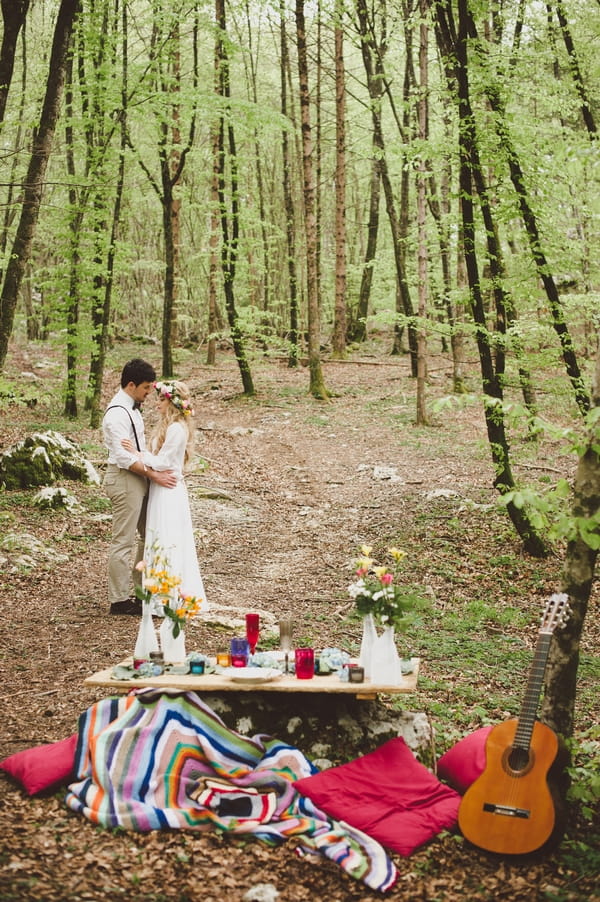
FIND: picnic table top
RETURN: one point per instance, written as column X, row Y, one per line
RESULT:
column 221, row 682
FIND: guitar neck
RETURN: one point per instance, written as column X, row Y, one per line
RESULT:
column 532, row 693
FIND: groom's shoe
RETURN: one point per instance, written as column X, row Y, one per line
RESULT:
column 132, row 606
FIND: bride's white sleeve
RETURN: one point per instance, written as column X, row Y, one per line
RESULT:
column 171, row 454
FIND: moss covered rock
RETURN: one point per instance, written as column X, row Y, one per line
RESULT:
column 41, row 459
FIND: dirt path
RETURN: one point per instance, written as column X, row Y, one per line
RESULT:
column 292, row 488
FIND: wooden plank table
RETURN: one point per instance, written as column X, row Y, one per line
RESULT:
column 218, row 682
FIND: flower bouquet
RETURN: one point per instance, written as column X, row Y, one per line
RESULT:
column 160, row 588
column 381, row 601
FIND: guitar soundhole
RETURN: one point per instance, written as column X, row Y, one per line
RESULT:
column 518, row 761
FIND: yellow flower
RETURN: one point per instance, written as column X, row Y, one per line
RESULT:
column 366, row 550
column 397, row 554
column 379, row 571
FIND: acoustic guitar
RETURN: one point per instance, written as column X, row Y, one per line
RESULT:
column 510, row 808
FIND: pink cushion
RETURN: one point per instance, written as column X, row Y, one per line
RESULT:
column 387, row 794
column 44, row 766
column 465, row 761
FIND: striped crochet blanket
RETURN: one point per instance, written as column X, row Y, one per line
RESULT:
column 164, row 760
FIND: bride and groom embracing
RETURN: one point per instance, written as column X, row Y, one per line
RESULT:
column 146, row 486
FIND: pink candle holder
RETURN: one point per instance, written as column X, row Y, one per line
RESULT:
column 305, row 663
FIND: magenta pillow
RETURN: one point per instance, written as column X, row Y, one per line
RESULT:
column 465, row 761
column 387, row 794
column 44, row 766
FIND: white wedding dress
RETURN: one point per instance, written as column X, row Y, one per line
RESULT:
column 169, row 527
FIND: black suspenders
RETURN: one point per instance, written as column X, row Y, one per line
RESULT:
column 132, row 423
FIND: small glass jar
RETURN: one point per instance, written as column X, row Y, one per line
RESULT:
column 197, row 667
column 356, row 674
column 157, row 659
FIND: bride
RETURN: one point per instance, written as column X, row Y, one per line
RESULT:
column 169, row 528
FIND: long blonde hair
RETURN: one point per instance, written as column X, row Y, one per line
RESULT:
column 178, row 411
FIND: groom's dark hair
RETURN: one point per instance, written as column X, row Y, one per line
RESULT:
column 137, row 371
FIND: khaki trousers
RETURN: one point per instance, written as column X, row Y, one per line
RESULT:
column 128, row 495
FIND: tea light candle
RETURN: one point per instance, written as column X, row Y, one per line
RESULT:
column 356, row 674
column 197, row 667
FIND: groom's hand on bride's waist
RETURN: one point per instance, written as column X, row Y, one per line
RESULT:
column 166, row 478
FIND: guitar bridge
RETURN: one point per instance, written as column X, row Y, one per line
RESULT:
column 506, row 810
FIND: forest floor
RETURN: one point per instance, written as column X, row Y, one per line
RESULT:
column 285, row 491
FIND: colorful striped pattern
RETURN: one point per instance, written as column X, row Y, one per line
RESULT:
column 144, row 761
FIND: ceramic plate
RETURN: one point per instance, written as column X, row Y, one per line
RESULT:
column 252, row 674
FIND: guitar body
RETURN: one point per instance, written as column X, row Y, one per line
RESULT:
column 509, row 809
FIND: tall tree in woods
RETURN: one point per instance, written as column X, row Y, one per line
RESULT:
column 440, row 206
column 530, row 220
column 263, row 273
column 213, row 243
column 288, row 200
column 91, row 69
column 375, row 73
column 504, row 307
column 317, row 384
column 34, row 180
column 104, row 271
column 76, row 215
column 317, row 141
column 422, row 252
column 560, row 678
column 454, row 44
column 587, row 108
column 339, row 321
column 14, row 14
column 230, row 214
column 357, row 327
column 165, row 63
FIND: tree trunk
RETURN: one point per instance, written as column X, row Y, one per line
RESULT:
column 358, row 326
column 339, row 325
column 317, row 385
column 586, row 104
column 75, row 221
column 213, row 243
column 560, row 680
column 422, row 254
column 375, row 78
column 494, row 416
column 104, row 280
column 288, row 201
column 535, row 244
column 229, row 224
column 14, row 13
column 34, row 180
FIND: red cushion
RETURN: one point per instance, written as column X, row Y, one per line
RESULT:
column 387, row 794
column 465, row 761
column 43, row 767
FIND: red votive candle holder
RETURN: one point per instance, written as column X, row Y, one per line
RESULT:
column 305, row 663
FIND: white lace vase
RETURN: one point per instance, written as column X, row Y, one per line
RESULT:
column 369, row 636
column 173, row 648
column 386, row 667
column 146, row 638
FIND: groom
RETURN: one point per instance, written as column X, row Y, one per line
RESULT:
column 126, row 483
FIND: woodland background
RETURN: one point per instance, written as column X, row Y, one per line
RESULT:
column 285, row 186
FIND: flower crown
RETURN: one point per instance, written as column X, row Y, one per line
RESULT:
column 169, row 390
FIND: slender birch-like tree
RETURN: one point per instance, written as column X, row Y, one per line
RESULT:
column 339, row 321
column 34, row 181
column 317, row 384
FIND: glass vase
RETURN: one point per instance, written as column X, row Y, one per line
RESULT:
column 173, row 648
column 386, row 667
column 146, row 638
column 369, row 635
